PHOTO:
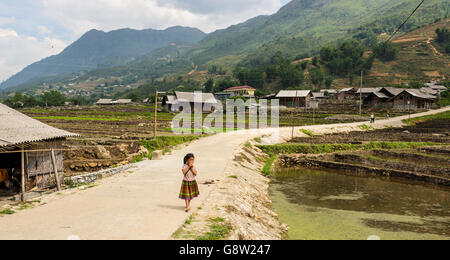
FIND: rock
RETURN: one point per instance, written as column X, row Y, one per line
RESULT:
column 72, row 166
column 406, row 132
column 102, row 153
column 157, row 155
column 92, row 165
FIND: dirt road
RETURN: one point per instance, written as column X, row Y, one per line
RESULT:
column 143, row 204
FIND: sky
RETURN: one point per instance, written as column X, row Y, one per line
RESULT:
column 31, row 30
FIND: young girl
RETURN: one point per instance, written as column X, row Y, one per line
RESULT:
column 189, row 188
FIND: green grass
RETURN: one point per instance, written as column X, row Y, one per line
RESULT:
column 189, row 220
column 267, row 168
column 366, row 127
column 7, row 212
column 78, row 118
column 414, row 121
column 331, row 148
column 139, row 158
column 218, row 230
column 164, row 142
column 233, row 177
column 306, row 132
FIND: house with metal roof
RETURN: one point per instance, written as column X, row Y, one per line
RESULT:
column 31, row 153
column 104, row 102
column 181, row 100
column 245, row 91
column 123, row 102
column 295, row 98
column 346, row 93
column 413, row 99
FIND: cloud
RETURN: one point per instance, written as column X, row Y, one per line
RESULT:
column 208, row 15
column 18, row 51
column 31, row 29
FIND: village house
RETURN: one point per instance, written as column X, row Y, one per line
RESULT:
column 434, row 85
column 366, row 92
column 319, row 95
column 413, row 99
column 31, row 154
column 295, row 98
column 181, row 100
column 346, row 93
column 376, row 100
column 123, row 102
column 330, row 93
column 104, row 102
column 244, row 91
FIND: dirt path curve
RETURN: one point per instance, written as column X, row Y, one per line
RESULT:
column 435, row 51
column 143, row 204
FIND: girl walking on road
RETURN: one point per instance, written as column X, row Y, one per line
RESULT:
column 189, row 188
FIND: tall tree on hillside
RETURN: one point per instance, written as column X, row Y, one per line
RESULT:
column 386, row 51
column 347, row 60
column 209, row 86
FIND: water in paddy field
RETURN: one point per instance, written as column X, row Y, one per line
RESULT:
column 318, row 204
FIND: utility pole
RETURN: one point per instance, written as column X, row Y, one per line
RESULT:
column 292, row 114
column 156, row 114
column 360, row 94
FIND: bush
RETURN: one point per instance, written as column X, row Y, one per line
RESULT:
column 386, row 51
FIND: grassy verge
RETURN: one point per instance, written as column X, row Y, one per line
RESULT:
column 7, row 212
column 366, row 127
column 78, row 118
column 414, row 121
column 331, row 148
column 267, row 168
column 218, row 230
column 306, row 132
column 164, row 142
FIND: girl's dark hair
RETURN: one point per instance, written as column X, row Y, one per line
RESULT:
column 188, row 157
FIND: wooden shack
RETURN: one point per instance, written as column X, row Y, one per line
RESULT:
column 413, row 99
column 31, row 153
column 295, row 98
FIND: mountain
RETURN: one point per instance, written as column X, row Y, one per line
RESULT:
column 297, row 30
column 420, row 59
column 303, row 26
column 98, row 49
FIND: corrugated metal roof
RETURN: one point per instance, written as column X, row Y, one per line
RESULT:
column 104, row 101
column 293, row 93
column 347, row 90
column 124, row 101
column 380, row 95
column 192, row 97
column 318, row 94
column 17, row 128
column 330, row 91
column 429, row 91
column 368, row 90
column 239, row 88
column 393, row 91
column 418, row 93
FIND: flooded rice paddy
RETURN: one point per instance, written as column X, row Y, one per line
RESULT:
column 322, row 204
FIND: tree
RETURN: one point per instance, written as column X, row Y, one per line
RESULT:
column 386, row 51
column 347, row 60
column 290, row 75
column 443, row 35
column 53, row 98
column 317, row 77
column 328, row 82
column 209, row 86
